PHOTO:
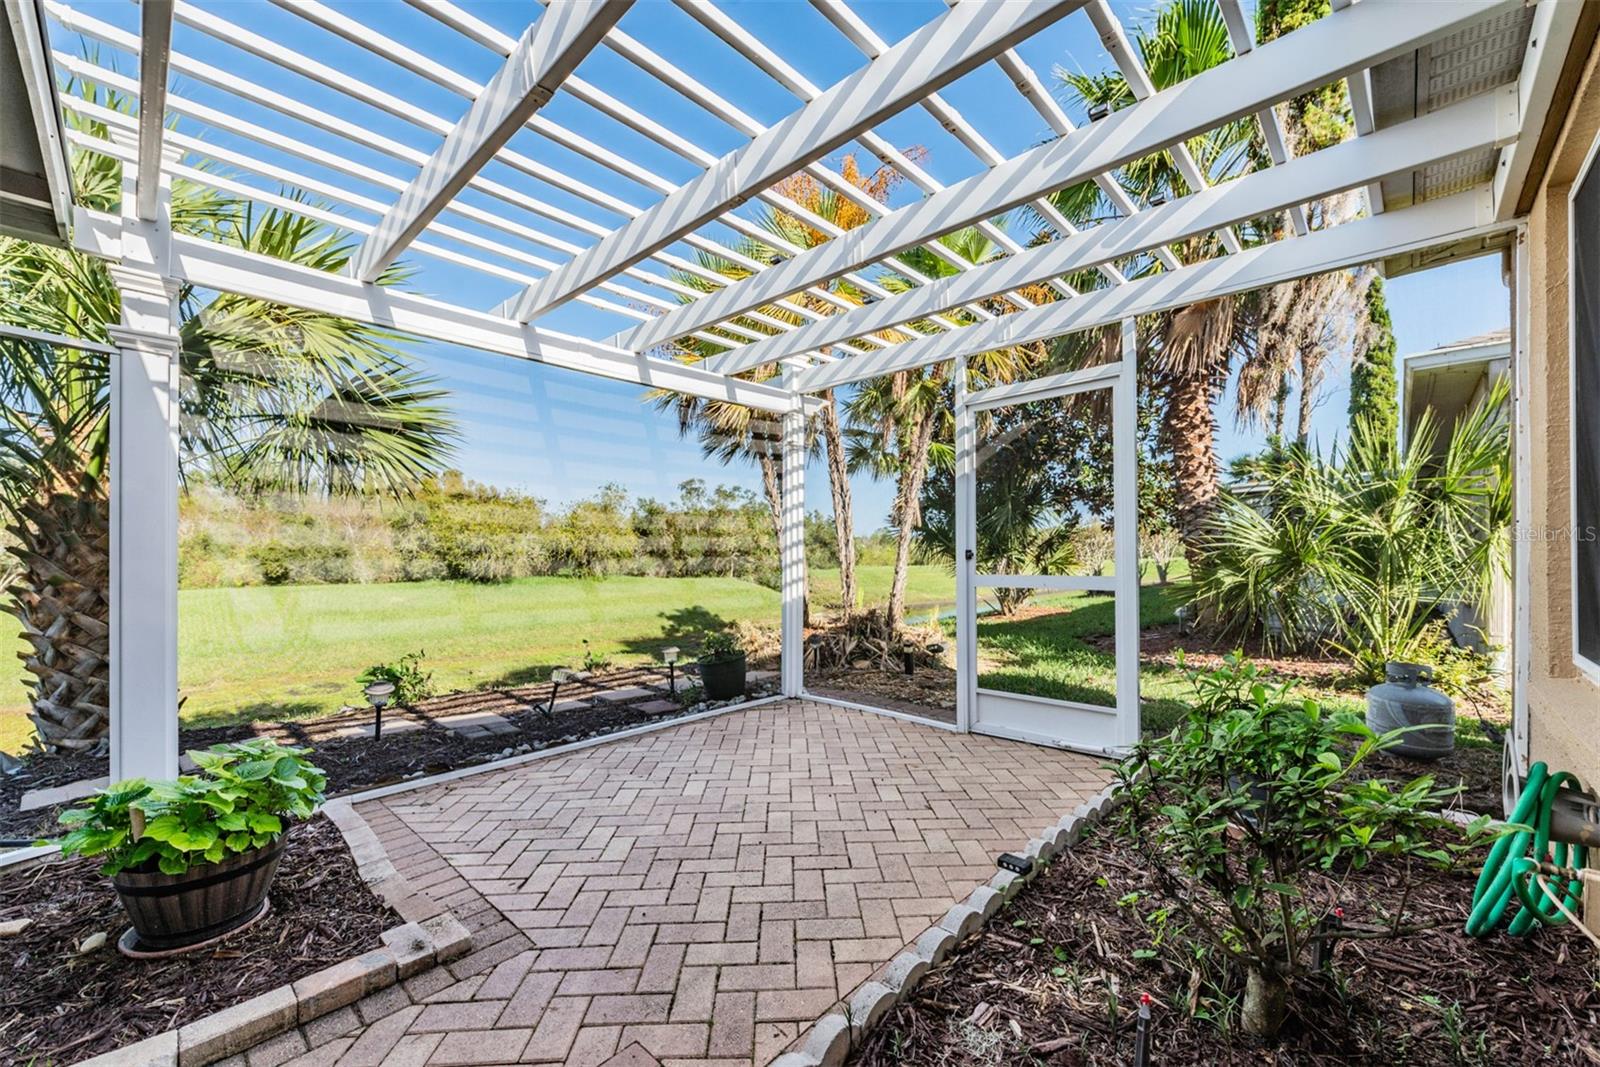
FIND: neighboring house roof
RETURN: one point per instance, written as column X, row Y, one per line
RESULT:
column 35, row 177
column 1450, row 378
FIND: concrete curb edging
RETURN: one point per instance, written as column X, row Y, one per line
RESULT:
column 829, row 1041
column 430, row 935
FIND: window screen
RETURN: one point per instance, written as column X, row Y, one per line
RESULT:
column 1586, row 407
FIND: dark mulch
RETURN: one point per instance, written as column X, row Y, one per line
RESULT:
column 353, row 762
column 59, row 1007
column 1054, row 980
column 41, row 773
column 930, row 692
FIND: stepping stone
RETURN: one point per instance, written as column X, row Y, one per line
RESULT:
column 623, row 696
column 65, row 794
column 61, row 794
column 760, row 676
column 572, row 704
column 397, row 726
column 658, row 707
column 477, row 724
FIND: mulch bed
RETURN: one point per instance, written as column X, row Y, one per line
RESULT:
column 930, row 692
column 1055, row 980
column 59, row 1007
column 353, row 762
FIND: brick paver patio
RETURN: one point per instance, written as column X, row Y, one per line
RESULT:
column 697, row 895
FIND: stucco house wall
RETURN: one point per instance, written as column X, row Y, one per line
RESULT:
column 1563, row 702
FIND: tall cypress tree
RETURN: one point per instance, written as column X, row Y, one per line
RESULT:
column 1374, row 388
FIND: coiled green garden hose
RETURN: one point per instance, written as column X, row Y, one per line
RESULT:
column 1514, row 864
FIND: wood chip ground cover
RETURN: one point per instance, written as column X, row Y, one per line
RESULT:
column 1056, row 978
column 58, row 1007
column 353, row 762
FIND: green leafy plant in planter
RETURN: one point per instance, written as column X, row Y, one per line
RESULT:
column 722, row 666
column 411, row 682
column 194, row 857
column 1249, row 813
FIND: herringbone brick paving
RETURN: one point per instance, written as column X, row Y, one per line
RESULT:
column 697, row 895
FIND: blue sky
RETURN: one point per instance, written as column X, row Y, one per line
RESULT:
column 560, row 435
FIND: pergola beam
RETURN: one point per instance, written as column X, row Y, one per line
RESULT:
column 935, row 55
column 1368, row 33
column 155, row 55
column 1464, row 215
column 548, row 51
column 1486, row 120
column 1243, row 37
column 210, row 265
column 1549, row 41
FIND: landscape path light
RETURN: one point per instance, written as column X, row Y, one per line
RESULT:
column 670, row 656
column 378, row 695
column 557, row 677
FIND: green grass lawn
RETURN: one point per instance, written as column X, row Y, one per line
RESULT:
column 1051, row 655
column 291, row 651
column 930, row 588
column 294, row 651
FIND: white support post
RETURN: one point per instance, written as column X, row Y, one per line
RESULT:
column 792, row 549
column 1522, row 502
column 144, row 528
column 1125, row 509
column 966, row 552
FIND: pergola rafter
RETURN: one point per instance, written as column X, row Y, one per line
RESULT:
column 1307, row 58
column 943, row 50
column 1478, row 122
column 544, row 57
column 155, row 52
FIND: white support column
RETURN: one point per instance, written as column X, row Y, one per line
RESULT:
column 966, row 552
column 1522, row 502
column 144, row 528
column 1125, row 509
column 792, row 549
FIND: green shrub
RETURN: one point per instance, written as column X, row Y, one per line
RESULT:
column 283, row 563
column 237, row 801
column 1247, row 802
column 1362, row 550
column 720, row 647
column 411, row 682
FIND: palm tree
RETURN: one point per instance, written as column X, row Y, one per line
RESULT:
column 271, row 397
column 1279, row 335
column 727, row 432
column 1192, row 347
column 901, row 423
column 1366, row 548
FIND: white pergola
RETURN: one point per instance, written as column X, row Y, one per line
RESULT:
column 486, row 198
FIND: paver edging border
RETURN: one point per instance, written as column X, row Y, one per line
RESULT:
column 430, row 935
column 829, row 1041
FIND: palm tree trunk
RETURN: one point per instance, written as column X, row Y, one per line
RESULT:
column 1191, row 435
column 62, row 568
column 908, row 512
column 843, row 520
column 1310, row 365
column 771, row 485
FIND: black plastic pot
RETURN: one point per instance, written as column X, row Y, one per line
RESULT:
column 176, row 910
column 723, row 679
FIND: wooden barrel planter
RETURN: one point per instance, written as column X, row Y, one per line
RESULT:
column 174, row 911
